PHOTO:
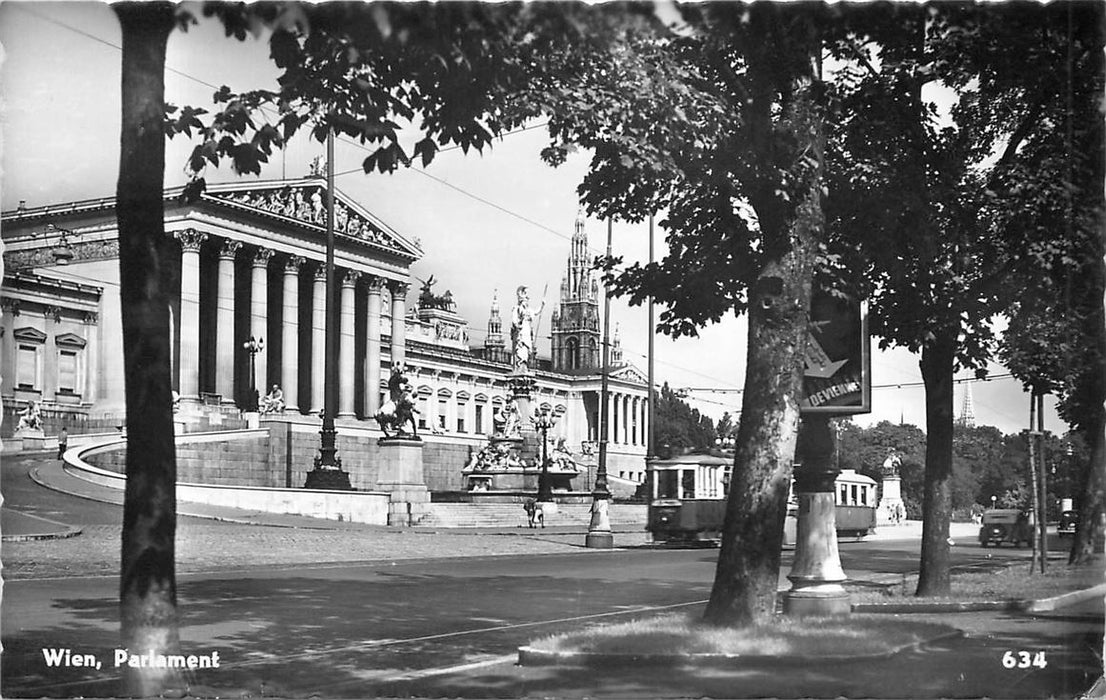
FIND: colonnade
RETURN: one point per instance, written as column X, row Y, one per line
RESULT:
column 352, row 283
column 627, row 417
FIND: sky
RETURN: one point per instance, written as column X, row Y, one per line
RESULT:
column 487, row 222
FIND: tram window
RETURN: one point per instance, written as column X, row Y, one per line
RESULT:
column 863, row 495
column 844, row 495
column 855, row 498
column 687, row 484
column 666, row 484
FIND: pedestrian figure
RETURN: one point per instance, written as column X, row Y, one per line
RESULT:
column 535, row 514
column 63, row 442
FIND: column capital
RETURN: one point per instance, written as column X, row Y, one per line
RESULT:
column 90, row 318
column 399, row 289
column 229, row 249
column 375, row 284
column 350, row 277
column 293, row 264
column 320, row 272
column 190, row 239
column 261, row 257
column 52, row 312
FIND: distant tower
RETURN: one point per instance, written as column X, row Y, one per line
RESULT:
column 576, row 335
column 494, row 348
column 966, row 419
column 616, row 347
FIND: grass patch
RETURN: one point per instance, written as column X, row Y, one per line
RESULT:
column 1013, row 582
column 680, row 634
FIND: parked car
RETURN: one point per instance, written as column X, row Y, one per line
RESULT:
column 1006, row 525
column 1069, row 519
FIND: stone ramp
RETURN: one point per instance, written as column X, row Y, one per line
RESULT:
column 496, row 515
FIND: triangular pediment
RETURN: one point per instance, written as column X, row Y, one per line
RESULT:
column 70, row 340
column 629, row 373
column 304, row 203
column 29, row 335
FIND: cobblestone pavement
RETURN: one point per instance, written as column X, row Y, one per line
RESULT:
column 205, row 546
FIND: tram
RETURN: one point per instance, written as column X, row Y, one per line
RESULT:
column 687, row 500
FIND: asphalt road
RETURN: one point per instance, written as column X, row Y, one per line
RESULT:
column 439, row 627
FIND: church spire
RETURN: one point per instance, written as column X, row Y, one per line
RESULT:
column 493, row 341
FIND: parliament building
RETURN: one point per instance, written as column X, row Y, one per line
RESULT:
column 249, row 263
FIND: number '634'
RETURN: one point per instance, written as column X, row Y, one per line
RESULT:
column 1023, row 659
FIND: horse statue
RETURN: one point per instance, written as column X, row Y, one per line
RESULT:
column 399, row 410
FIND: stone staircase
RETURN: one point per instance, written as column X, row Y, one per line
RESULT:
column 512, row 515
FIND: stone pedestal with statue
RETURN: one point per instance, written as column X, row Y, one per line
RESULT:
column 891, row 509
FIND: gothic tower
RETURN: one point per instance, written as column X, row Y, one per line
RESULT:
column 576, row 335
column 494, row 348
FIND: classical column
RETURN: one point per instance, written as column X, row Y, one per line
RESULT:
column 259, row 314
column 372, row 348
column 8, row 309
column 224, row 322
column 190, row 242
column 399, row 322
column 612, row 434
column 92, row 356
column 318, row 339
column 52, row 316
column 290, row 339
column 346, row 361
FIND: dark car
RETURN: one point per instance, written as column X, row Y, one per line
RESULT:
column 1069, row 519
column 1005, row 525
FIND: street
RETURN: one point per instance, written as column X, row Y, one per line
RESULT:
column 420, row 626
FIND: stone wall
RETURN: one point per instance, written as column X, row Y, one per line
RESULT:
column 359, row 452
column 239, row 458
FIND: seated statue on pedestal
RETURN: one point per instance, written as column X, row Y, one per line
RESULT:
column 273, row 402
column 30, row 418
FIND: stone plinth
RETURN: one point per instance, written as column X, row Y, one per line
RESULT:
column 33, row 438
column 400, row 475
column 891, row 510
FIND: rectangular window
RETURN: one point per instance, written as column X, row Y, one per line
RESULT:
column 666, row 484
column 67, row 372
column 844, row 496
column 687, row 483
column 423, row 408
column 26, row 372
column 855, row 499
column 479, row 419
column 441, row 413
column 460, row 423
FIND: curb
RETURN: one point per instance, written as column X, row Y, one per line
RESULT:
column 1062, row 601
column 529, row 656
column 66, row 532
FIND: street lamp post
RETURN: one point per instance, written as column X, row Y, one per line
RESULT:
column 599, row 529
column 253, row 346
column 543, row 421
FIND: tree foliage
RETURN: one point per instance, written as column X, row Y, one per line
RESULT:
column 936, row 203
column 679, row 427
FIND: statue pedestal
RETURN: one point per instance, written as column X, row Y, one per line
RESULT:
column 401, row 477
column 891, row 510
column 33, row 438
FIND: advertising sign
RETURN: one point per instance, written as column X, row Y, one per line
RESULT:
column 837, row 374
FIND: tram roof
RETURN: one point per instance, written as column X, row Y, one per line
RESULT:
column 701, row 459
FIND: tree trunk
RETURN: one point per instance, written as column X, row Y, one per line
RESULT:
column 937, row 373
column 148, row 596
column 747, row 576
column 1092, row 510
